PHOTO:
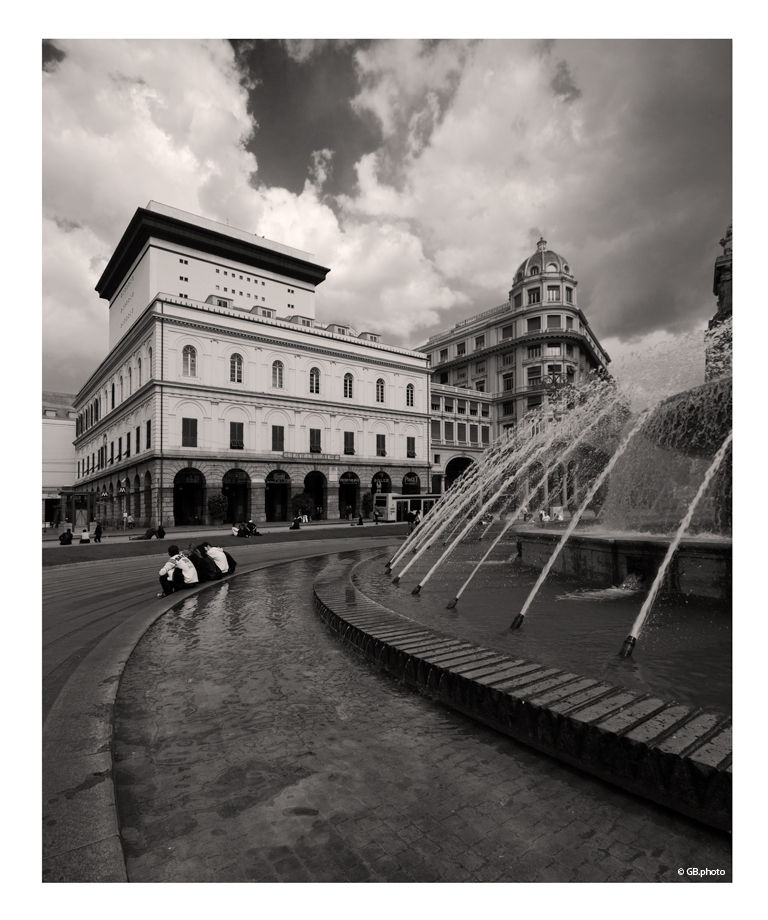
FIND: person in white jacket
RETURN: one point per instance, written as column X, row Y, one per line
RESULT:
column 178, row 572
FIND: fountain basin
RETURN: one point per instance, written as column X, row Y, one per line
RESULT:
column 676, row 755
column 700, row 567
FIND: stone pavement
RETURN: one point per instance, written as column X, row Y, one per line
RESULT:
column 93, row 616
column 250, row 745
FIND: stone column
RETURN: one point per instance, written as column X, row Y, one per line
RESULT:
column 258, row 501
column 331, row 511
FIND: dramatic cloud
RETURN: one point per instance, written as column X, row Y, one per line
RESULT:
column 617, row 152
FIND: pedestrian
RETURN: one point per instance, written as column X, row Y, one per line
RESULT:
column 85, row 537
column 66, row 538
column 252, row 531
column 204, row 566
column 410, row 517
column 360, row 521
column 177, row 573
column 97, row 533
column 375, row 515
column 417, row 519
column 296, row 523
column 235, row 529
column 131, row 522
column 348, row 512
column 224, row 563
column 242, row 531
column 319, row 513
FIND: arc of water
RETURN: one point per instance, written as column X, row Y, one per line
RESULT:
column 443, row 517
column 473, row 519
column 634, row 633
column 521, row 469
column 451, row 604
column 518, row 621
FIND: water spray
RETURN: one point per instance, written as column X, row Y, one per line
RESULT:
column 634, row 634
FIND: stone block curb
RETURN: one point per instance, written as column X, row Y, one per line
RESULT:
column 674, row 755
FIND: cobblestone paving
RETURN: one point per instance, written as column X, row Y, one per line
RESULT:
column 252, row 746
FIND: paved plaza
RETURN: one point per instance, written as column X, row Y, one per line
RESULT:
column 251, row 745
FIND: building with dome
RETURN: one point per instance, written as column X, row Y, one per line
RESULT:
column 490, row 369
column 220, row 381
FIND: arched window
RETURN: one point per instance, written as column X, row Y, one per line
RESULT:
column 409, row 391
column 314, row 380
column 380, row 390
column 277, row 375
column 534, row 270
column 189, row 361
column 551, row 267
column 348, row 386
column 236, row 369
column 113, row 396
column 139, row 371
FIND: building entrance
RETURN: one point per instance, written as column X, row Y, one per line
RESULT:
column 189, row 497
column 277, row 487
column 236, row 486
column 349, row 494
column 315, row 484
column 454, row 469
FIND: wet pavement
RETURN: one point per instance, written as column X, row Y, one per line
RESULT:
column 251, row 745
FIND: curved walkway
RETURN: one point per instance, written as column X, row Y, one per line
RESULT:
column 93, row 616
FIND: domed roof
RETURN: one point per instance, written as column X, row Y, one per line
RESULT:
column 541, row 261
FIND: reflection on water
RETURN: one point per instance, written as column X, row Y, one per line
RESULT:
column 684, row 653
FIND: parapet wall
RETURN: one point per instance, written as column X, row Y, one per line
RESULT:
column 672, row 754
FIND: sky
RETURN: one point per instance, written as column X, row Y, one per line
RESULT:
column 421, row 173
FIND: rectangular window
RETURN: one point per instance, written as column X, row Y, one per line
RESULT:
column 461, row 349
column 437, row 458
column 479, row 342
column 508, row 332
column 534, row 324
column 444, row 354
column 236, row 436
column 435, row 403
column 128, row 445
column 449, row 405
column 569, row 295
column 554, row 322
column 462, row 431
column 189, row 432
column 149, row 434
column 278, row 437
column 534, row 401
column 518, row 301
column 461, row 407
column 553, row 350
column 381, row 445
column 78, row 469
column 534, row 296
column 534, row 373
column 435, row 430
column 138, row 439
column 473, row 408
column 473, row 434
column 553, row 369
column 480, row 367
column 349, row 442
column 508, row 382
column 569, row 351
column 553, row 294
column 111, row 451
column 119, row 449
column 449, row 431
column 410, row 444
column 461, row 373
column 569, row 322
column 486, row 434
column 480, row 386
column 508, row 359
column 534, row 351
column 508, row 408
column 443, row 378
column 314, row 441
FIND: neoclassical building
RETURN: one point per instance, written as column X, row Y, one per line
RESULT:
column 500, row 363
column 220, row 380
column 59, row 463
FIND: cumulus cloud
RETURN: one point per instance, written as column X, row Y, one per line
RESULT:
column 629, row 179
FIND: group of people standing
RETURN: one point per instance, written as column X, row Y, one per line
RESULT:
column 199, row 564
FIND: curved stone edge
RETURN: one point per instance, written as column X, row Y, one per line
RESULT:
column 81, row 823
column 674, row 755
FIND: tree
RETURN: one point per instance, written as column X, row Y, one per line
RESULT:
column 303, row 503
column 217, row 505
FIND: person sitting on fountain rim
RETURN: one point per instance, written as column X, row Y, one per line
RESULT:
column 177, row 573
column 223, row 562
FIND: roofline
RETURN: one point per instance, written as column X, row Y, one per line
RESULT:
column 146, row 224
